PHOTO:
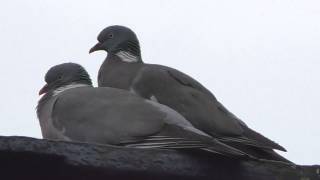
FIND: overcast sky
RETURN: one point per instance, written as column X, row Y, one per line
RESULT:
column 260, row 58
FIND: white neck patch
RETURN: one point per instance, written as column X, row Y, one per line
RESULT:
column 66, row 87
column 127, row 57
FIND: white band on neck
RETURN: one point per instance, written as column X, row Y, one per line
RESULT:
column 69, row 86
column 127, row 56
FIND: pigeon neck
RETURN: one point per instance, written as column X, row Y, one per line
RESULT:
column 126, row 56
column 123, row 57
column 69, row 86
column 129, row 51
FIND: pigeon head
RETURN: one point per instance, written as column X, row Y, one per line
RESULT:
column 63, row 75
column 116, row 40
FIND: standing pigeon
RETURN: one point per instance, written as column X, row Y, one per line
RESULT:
column 73, row 110
column 123, row 68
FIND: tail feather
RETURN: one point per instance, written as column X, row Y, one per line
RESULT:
column 262, row 140
column 259, row 153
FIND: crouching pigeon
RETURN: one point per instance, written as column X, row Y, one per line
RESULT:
column 123, row 68
column 71, row 109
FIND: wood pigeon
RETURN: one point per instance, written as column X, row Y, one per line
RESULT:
column 71, row 109
column 123, row 68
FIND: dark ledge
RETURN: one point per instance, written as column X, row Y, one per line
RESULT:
column 29, row 158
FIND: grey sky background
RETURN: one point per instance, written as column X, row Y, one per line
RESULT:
column 259, row 58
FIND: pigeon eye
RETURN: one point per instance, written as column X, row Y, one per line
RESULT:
column 59, row 77
column 110, row 35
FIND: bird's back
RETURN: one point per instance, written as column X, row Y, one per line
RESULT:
column 97, row 110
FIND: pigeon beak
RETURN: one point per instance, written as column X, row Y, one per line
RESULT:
column 96, row 47
column 44, row 89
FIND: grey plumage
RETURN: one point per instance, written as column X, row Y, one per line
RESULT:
column 73, row 110
column 177, row 90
